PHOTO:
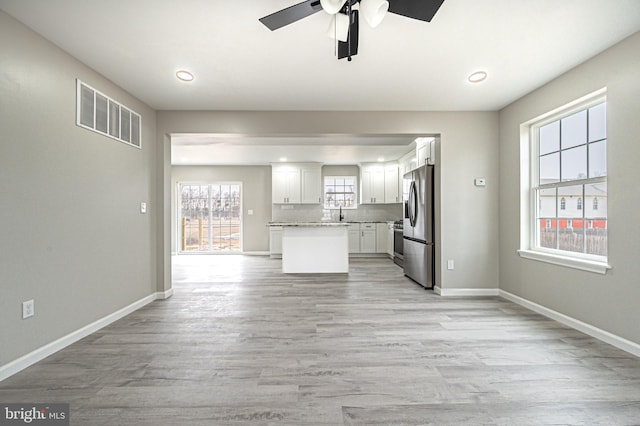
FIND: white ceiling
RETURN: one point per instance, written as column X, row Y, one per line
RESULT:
column 402, row 65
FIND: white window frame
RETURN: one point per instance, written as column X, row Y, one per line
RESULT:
column 324, row 191
column 529, row 157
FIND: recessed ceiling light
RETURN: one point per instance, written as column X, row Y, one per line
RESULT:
column 478, row 76
column 184, row 75
column 283, row 159
column 380, row 159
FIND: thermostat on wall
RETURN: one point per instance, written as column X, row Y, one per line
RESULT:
column 480, row 182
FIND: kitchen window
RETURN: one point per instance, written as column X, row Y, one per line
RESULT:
column 564, row 172
column 340, row 191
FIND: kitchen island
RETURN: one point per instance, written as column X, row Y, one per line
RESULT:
column 314, row 247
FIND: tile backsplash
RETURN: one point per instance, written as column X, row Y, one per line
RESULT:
column 315, row 213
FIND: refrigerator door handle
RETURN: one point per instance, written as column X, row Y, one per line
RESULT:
column 413, row 201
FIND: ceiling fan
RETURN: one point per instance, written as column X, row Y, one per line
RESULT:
column 344, row 25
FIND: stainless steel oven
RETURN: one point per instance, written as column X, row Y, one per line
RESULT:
column 398, row 252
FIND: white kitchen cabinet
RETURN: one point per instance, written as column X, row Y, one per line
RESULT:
column 354, row 238
column 372, row 185
column 380, row 184
column 275, row 241
column 368, row 238
column 392, row 192
column 390, row 239
column 296, row 184
column 425, row 152
column 311, row 185
column 422, row 154
column 382, row 237
column 285, row 185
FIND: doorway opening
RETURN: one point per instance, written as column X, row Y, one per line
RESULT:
column 209, row 217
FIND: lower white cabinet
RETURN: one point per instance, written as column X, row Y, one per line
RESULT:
column 390, row 238
column 354, row 238
column 382, row 238
column 275, row 241
column 368, row 238
column 365, row 238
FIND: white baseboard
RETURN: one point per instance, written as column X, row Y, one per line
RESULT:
column 256, row 253
column 41, row 353
column 469, row 292
column 161, row 295
column 610, row 338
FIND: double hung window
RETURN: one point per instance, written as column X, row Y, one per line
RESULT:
column 568, row 186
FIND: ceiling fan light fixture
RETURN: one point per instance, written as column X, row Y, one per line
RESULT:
column 339, row 27
column 374, row 11
column 332, row 6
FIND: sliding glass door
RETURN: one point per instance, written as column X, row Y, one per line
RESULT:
column 209, row 219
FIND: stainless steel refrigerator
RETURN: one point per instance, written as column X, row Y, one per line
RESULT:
column 418, row 232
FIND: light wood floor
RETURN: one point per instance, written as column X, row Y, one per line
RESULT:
column 242, row 343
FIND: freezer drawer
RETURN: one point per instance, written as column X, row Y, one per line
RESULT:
column 418, row 262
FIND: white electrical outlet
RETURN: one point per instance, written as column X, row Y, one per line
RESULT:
column 450, row 264
column 28, row 309
column 143, row 208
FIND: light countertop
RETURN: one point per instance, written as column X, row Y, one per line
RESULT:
column 327, row 223
column 308, row 224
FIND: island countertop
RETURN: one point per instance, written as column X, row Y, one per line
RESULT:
column 308, row 224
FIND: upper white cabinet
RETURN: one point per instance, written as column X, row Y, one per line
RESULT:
column 296, row 184
column 311, row 185
column 380, row 184
column 425, row 151
column 372, row 184
column 392, row 193
column 285, row 185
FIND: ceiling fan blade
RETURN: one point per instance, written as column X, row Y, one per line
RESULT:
column 291, row 14
column 423, row 10
column 349, row 48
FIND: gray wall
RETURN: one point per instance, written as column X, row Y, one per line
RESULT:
column 256, row 196
column 610, row 301
column 71, row 235
column 468, row 147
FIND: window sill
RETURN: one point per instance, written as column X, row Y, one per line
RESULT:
column 569, row 262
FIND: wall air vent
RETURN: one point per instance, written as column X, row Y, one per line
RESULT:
column 98, row 112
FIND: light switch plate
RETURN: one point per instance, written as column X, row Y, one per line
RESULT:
column 450, row 264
